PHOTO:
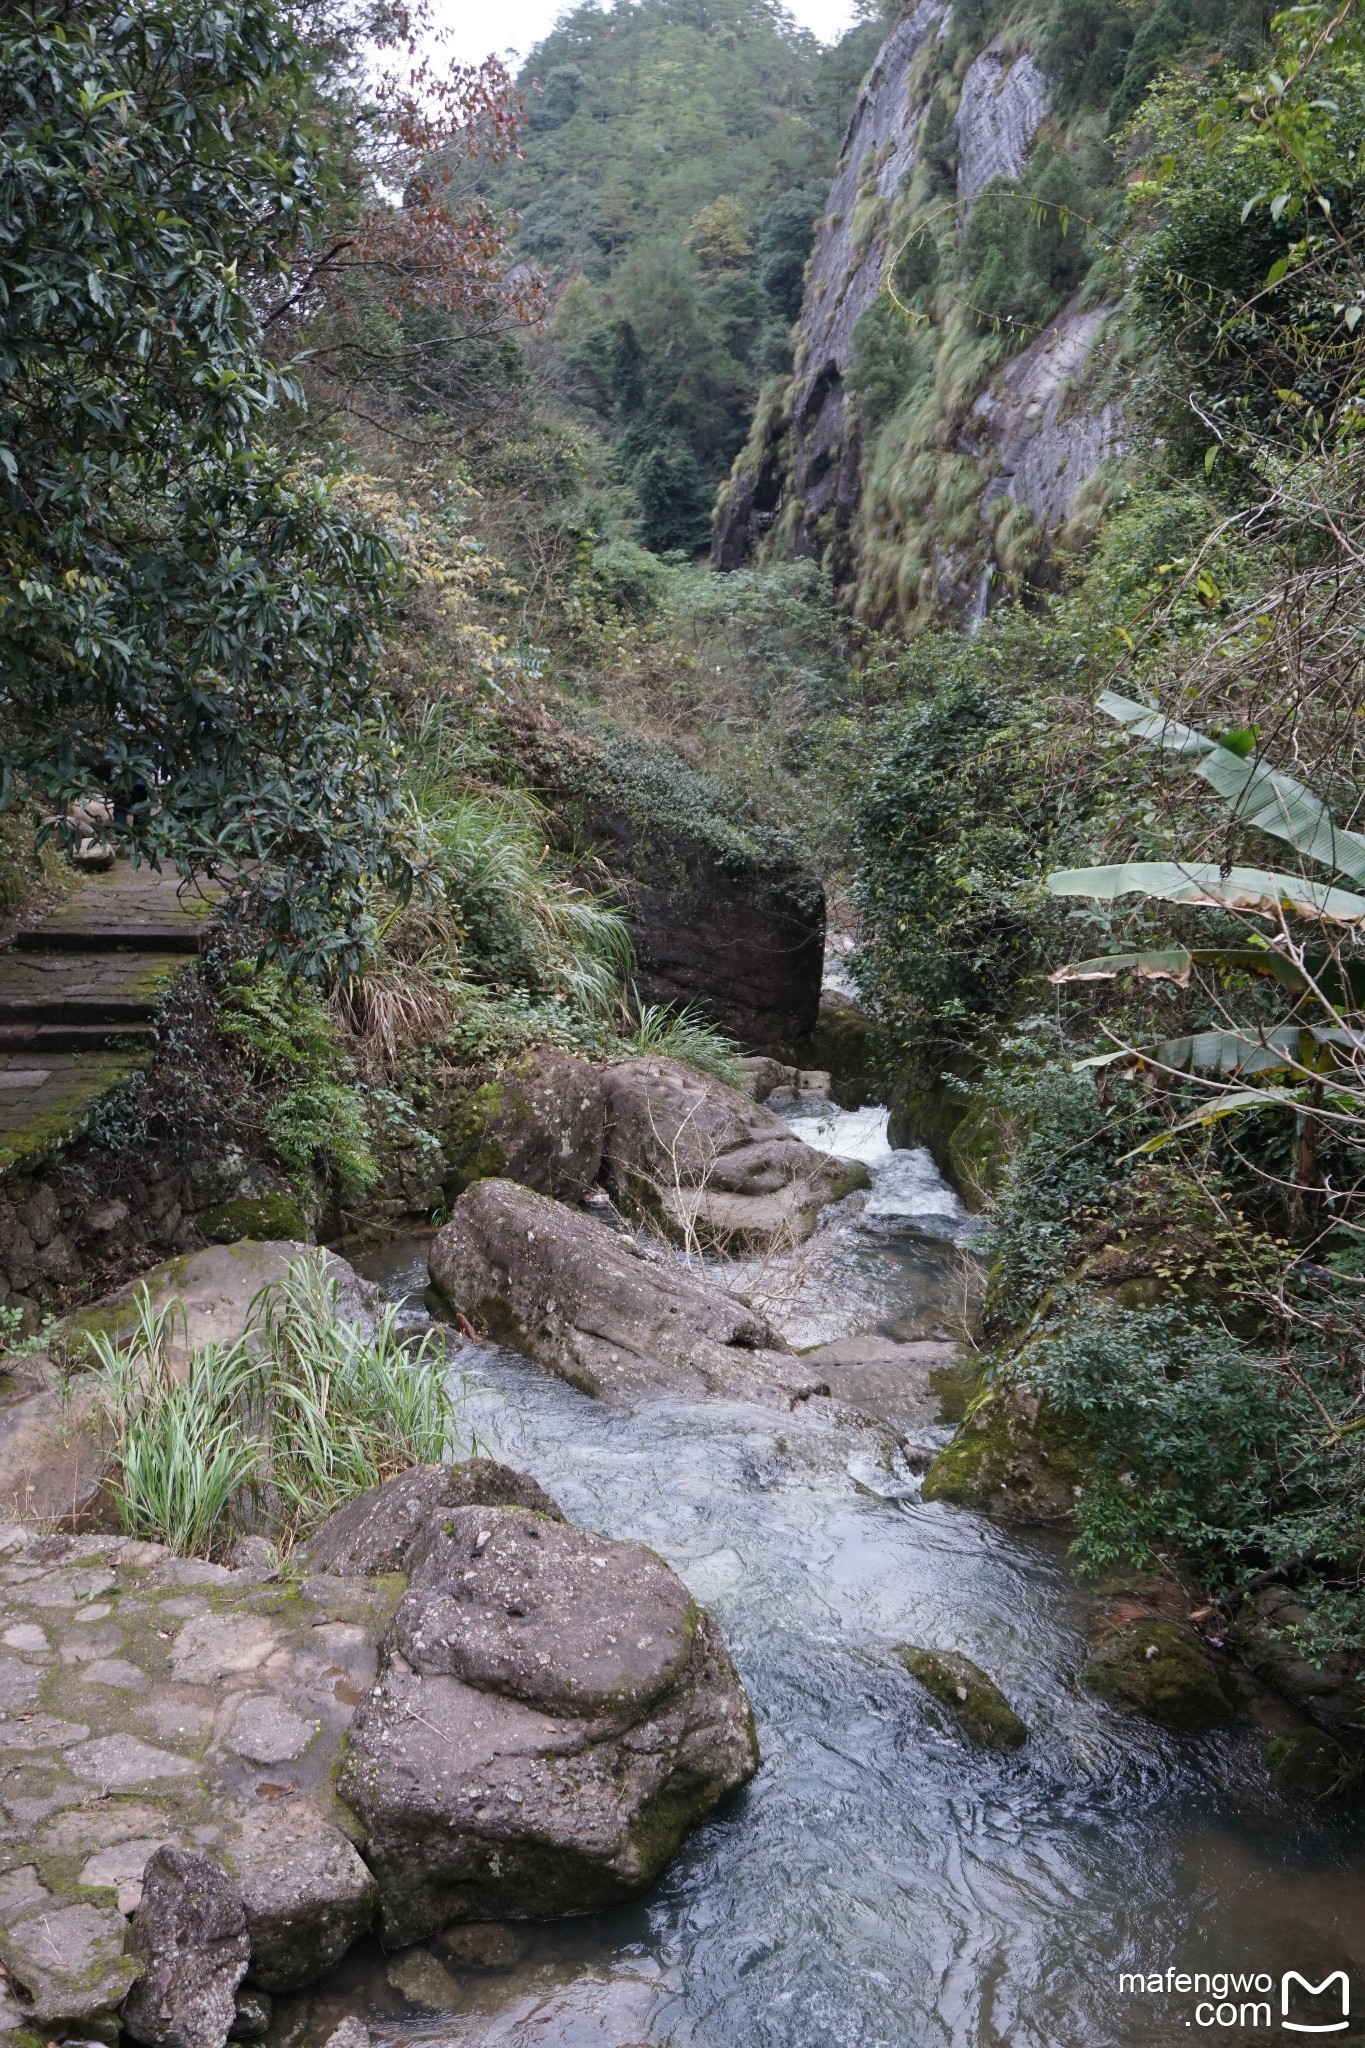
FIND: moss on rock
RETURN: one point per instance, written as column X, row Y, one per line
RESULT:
column 274, row 1215
column 1310, row 1761
column 1160, row 1671
column 974, row 1700
column 1013, row 1456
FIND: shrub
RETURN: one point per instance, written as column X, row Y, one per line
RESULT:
column 314, row 1117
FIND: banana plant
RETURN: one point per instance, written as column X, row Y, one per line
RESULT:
column 1314, row 1041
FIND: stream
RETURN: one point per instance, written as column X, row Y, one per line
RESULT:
column 882, row 1883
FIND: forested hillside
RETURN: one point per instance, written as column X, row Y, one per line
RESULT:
column 674, row 163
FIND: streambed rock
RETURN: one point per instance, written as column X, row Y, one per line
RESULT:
column 554, row 1714
column 541, row 1122
column 1331, row 1693
column 711, row 1163
column 610, row 1315
column 975, row 1701
column 1161, row 1671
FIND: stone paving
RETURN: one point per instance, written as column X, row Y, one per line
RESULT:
column 147, row 1699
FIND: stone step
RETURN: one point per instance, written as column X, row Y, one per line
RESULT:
column 73, row 1037
column 44, row 1102
column 86, row 989
column 128, row 909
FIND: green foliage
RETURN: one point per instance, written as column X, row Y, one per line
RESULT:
column 974, row 776
column 315, row 1119
column 1251, row 272
column 684, row 1034
column 346, row 1412
column 298, row 1416
column 676, row 163
column 184, row 608
column 182, row 1455
column 1025, row 249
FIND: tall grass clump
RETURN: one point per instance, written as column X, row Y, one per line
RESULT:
column 684, row 1034
column 302, row 1413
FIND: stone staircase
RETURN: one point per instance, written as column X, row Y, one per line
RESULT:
column 78, row 997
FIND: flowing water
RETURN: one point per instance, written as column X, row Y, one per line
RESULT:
column 882, row 1883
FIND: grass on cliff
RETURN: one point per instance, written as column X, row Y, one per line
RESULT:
column 278, row 1429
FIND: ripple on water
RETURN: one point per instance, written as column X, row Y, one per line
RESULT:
column 881, row 1884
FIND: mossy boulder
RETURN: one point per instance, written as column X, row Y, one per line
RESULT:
column 1013, row 1456
column 975, row 1701
column 1312, row 1762
column 1269, row 1635
column 1160, row 1671
column 540, row 1122
column 274, row 1215
column 850, row 1047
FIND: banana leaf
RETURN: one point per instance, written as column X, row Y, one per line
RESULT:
column 1234, row 1102
column 1145, row 722
column 1296, row 1046
column 1257, row 794
column 1340, row 983
column 1261, row 891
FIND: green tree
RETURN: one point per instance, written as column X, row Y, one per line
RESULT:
column 188, row 616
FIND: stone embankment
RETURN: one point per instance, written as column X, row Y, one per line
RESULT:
column 453, row 1707
column 79, row 996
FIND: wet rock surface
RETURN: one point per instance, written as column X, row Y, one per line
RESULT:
column 173, row 1734
column 553, row 1715
column 610, row 1315
column 1161, row 1671
column 973, row 1699
column 711, row 1163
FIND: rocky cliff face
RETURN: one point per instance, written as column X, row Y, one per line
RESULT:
column 928, row 447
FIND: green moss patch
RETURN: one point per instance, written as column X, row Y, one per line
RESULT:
column 975, row 1701
column 1310, row 1761
column 1160, row 1671
column 273, row 1216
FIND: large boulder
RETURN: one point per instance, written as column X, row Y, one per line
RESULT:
column 553, row 1714
column 612, row 1316
column 375, row 1532
column 723, row 912
column 213, row 1293
column 540, row 1121
column 190, row 1941
column 716, row 1167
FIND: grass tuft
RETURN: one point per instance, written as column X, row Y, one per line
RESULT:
column 302, row 1413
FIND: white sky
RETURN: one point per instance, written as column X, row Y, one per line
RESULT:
column 505, row 26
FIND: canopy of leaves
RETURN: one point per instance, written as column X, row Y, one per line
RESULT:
column 188, row 617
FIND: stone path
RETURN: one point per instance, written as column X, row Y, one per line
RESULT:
column 78, row 995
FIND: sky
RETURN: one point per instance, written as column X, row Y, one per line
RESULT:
column 506, row 26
